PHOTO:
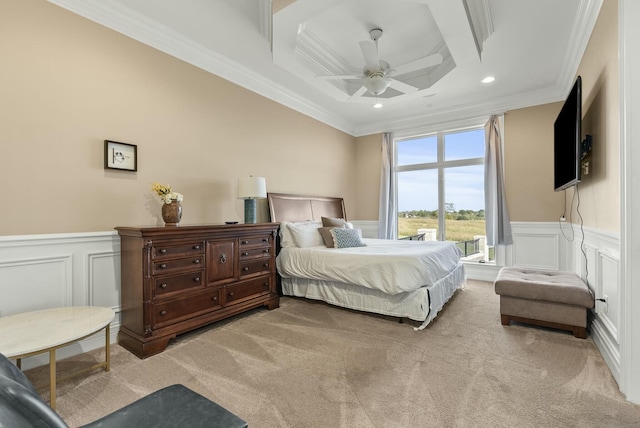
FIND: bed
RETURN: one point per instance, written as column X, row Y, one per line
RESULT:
column 404, row 278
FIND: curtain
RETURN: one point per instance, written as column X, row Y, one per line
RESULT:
column 387, row 217
column 496, row 213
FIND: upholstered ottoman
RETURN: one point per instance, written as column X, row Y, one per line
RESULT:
column 546, row 298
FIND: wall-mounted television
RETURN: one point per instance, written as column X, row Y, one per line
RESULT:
column 567, row 141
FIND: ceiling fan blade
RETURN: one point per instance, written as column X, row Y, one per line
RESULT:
column 370, row 53
column 403, row 87
column 419, row 64
column 360, row 92
column 347, row 76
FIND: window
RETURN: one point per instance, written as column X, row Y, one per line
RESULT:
column 440, row 190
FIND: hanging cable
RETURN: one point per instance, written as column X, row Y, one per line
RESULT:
column 563, row 219
column 584, row 252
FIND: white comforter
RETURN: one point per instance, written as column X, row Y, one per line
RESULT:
column 390, row 266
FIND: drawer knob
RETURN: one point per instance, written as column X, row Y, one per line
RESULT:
column 163, row 266
column 163, row 250
column 196, row 247
column 197, row 261
column 245, row 242
column 196, row 279
column 245, row 253
column 245, row 269
column 223, row 258
column 163, row 312
column 231, row 294
column 266, row 265
column 265, row 285
column 265, row 239
column 214, row 298
column 266, row 251
column 163, row 285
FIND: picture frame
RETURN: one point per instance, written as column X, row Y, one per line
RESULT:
column 120, row 156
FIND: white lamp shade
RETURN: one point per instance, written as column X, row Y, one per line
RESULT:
column 252, row 188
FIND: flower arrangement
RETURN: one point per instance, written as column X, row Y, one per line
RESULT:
column 166, row 193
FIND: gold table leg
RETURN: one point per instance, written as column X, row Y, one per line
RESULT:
column 52, row 375
column 107, row 349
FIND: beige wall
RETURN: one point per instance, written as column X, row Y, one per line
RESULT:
column 529, row 142
column 67, row 84
column 528, row 164
column 368, row 163
column 600, row 190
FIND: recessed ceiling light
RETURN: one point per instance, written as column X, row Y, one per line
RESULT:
column 377, row 105
column 488, row 79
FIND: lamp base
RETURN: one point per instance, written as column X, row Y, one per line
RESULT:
column 249, row 211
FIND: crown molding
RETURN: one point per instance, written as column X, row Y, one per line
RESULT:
column 578, row 41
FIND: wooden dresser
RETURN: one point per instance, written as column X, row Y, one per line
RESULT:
column 176, row 279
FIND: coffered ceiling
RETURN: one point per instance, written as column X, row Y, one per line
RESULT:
column 425, row 66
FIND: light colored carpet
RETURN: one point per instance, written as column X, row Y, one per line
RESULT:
column 308, row 364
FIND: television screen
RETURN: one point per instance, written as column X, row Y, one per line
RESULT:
column 567, row 135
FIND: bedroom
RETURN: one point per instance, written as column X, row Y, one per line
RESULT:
column 62, row 96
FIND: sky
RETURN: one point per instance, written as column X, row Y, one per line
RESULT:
column 464, row 185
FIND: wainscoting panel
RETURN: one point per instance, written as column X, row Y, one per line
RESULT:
column 538, row 246
column 47, row 271
column 597, row 255
column 48, row 278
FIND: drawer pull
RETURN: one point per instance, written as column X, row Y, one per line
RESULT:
column 266, row 265
column 196, row 279
column 197, row 261
column 214, row 298
column 163, row 285
column 163, row 266
column 231, row 294
column 163, row 250
column 265, row 239
column 196, row 247
column 245, row 269
column 266, row 251
column 265, row 285
column 163, row 312
column 245, row 242
column 223, row 259
column 245, row 253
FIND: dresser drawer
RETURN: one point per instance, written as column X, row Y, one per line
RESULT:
column 170, row 284
column 189, row 307
column 252, row 241
column 259, row 266
column 161, row 252
column 240, row 291
column 177, row 265
column 252, row 253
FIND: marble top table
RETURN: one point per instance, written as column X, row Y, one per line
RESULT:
column 31, row 333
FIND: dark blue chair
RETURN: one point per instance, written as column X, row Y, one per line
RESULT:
column 173, row 406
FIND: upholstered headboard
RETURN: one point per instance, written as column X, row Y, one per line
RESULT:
column 293, row 208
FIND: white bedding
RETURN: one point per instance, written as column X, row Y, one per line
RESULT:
column 422, row 304
column 390, row 266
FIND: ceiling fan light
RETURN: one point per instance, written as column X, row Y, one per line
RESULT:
column 377, row 84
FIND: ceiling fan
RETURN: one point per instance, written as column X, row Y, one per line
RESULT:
column 377, row 74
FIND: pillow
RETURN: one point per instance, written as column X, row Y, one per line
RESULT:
column 306, row 235
column 327, row 237
column 336, row 222
column 347, row 238
column 286, row 238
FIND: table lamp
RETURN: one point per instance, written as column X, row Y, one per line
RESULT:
column 251, row 188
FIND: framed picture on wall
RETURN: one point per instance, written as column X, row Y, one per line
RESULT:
column 120, row 156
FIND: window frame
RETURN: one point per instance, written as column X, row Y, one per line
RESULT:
column 440, row 165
